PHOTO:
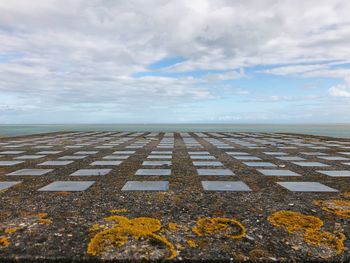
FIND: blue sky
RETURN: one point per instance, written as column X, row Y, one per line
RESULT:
column 174, row 62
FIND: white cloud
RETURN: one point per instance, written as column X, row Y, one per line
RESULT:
column 76, row 53
column 341, row 90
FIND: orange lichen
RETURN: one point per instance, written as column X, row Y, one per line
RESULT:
column 346, row 194
column 338, row 207
column 191, row 243
column 209, row 226
column 4, row 242
column 172, row 226
column 43, row 218
column 10, row 230
column 309, row 227
column 118, row 234
column 122, row 210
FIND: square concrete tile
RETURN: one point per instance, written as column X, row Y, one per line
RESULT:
column 11, row 152
column 91, row 172
column 215, row 172
column 246, row 158
column 106, row 163
column 72, row 157
column 10, row 163
column 156, row 163
column 56, row 163
column 86, row 152
column 270, row 172
column 336, row 173
column 153, row 172
column 123, row 152
column 313, row 153
column 230, row 186
column 306, row 187
column 116, row 157
column 334, row 158
column 48, row 152
column 238, row 153
column 208, row 163
column 259, row 164
column 6, row 185
column 29, row 157
column 276, row 153
column 310, row 164
column 290, row 158
column 146, row 186
column 202, row 157
column 67, row 186
column 31, row 172
column 159, row 157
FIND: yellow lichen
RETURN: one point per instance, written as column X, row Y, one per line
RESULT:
column 43, row 218
column 191, row 243
column 338, row 207
column 117, row 235
column 172, row 226
column 209, row 226
column 122, row 210
column 309, row 227
column 10, row 230
column 4, row 242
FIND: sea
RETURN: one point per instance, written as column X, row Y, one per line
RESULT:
column 333, row 130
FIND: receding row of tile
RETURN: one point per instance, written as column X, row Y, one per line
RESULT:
column 217, row 186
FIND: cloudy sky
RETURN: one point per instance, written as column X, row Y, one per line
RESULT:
column 111, row 61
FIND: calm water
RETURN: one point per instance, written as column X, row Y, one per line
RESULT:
column 334, row 130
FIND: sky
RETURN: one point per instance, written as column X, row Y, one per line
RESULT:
column 153, row 61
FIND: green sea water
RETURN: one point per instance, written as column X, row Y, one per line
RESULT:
column 334, row 130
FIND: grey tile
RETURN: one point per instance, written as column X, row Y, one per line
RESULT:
column 247, row 158
column 67, row 186
column 156, row 163
column 215, row 172
column 146, row 186
column 11, row 152
column 275, row 153
column 313, row 153
column 207, row 163
column 346, row 163
column 346, row 153
column 116, row 157
column 334, row 158
column 56, row 163
column 270, row 172
column 91, row 172
column 153, row 172
column 259, row 164
column 336, row 173
column 29, row 157
column 112, row 163
column 231, row 186
column 10, row 163
column 86, row 152
column 237, row 153
column 72, row 157
column 48, row 152
column 31, row 172
column 306, row 187
column 6, row 185
column 123, row 152
column 290, row 158
column 159, row 157
column 310, row 164
column 202, row 157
